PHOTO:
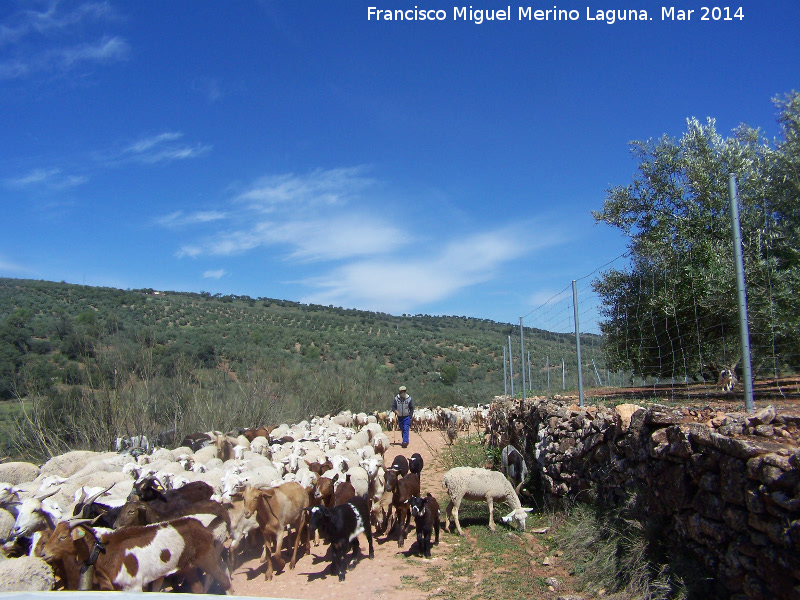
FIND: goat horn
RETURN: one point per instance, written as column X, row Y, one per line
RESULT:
column 74, row 521
column 518, row 488
column 90, row 500
column 42, row 497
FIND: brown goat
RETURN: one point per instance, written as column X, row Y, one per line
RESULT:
column 275, row 508
column 320, row 468
column 323, row 492
column 211, row 514
column 255, row 432
column 133, row 557
column 404, row 488
column 344, row 492
column 381, row 513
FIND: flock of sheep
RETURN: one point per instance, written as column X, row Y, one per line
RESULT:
column 143, row 519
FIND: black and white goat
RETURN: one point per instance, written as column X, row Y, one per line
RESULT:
column 340, row 527
column 426, row 517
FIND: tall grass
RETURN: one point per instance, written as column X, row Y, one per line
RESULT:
column 466, row 451
column 628, row 554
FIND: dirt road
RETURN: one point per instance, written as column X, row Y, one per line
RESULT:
column 379, row 578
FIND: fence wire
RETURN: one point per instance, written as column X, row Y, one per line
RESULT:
column 646, row 332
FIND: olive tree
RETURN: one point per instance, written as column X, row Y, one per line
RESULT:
column 673, row 310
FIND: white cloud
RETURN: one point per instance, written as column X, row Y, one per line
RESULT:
column 51, row 40
column 149, row 142
column 107, row 49
column 46, row 178
column 217, row 274
column 318, row 188
column 30, row 21
column 159, row 148
column 179, row 219
column 341, row 237
column 334, row 231
column 209, row 87
column 338, row 220
column 397, row 285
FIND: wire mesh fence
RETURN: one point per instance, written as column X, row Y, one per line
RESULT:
column 650, row 329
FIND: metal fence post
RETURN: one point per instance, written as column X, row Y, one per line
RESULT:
column 741, row 291
column 510, row 366
column 548, row 373
column 577, row 339
column 530, row 376
column 505, row 373
column 522, row 357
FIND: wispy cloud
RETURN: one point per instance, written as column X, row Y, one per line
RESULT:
column 216, row 274
column 162, row 148
column 321, row 187
column 180, row 219
column 30, row 21
column 338, row 221
column 209, row 87
column 51, row 179
column 316, row 239
column 47, row 41
column 105, row 50
column 397, row 285
column 147, row 143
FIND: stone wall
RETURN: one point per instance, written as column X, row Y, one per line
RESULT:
column 728, row 485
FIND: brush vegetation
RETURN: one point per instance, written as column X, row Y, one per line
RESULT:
column 95, row 363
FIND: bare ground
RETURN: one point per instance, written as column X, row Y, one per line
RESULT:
column 395, row 572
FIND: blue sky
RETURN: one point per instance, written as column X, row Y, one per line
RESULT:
column 298, row 150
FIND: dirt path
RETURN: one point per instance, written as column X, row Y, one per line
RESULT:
column 379, row 578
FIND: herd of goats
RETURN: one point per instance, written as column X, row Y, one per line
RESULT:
column 147, row 519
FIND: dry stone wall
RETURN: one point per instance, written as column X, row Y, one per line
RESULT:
column 727, row 485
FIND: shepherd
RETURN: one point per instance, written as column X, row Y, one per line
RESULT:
column 403, row 407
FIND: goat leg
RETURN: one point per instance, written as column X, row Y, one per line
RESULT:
column 356, row 551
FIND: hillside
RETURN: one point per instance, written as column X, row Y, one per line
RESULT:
column 146, row 360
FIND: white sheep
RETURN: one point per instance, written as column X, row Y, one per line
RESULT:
column 481, row 484
column 206, row 454
column 66, row 465
column 260, row 445
column 359, row 478
column 26, row 574
column 120, row 482
column 9, row 495
column 6, row 524
column 373, row 429
column 381, row 443
column 15, row 473
column 178, row 452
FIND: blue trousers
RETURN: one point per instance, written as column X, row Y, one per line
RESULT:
column 405, row 425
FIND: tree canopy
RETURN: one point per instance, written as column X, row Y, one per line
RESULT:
column 673, row 311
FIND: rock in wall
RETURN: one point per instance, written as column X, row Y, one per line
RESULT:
column 727, row 484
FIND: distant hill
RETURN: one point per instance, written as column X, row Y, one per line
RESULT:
column 165, row 351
